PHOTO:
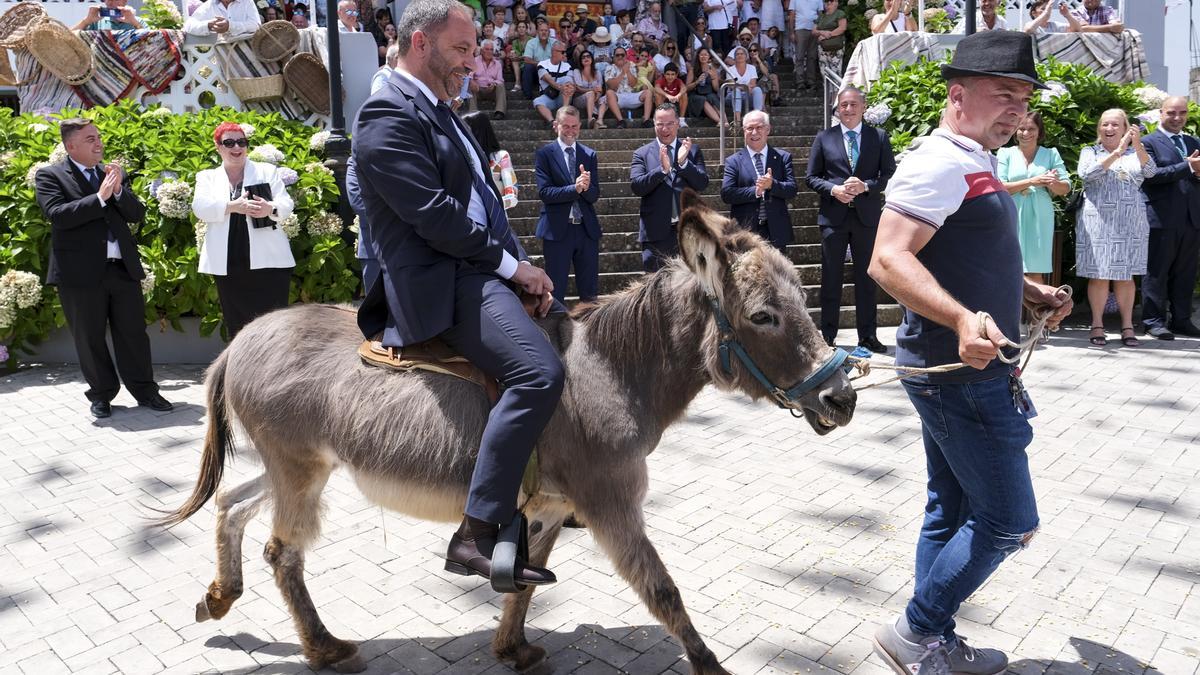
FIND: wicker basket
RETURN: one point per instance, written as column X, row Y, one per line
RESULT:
column 275, row 41
column 7, row 77
column 18, row 21
column 257, row 89
column 308, row 79
column 63, row 53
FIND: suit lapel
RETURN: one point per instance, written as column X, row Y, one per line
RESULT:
column 422, row 102
column 81, row 181
column 561, row 160
column 839, row 140
column 866, row 143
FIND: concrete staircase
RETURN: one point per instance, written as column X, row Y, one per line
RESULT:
column 794, row 125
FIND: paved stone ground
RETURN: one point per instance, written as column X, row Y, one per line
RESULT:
column 789, row 548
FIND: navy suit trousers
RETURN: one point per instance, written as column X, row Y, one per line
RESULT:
column 1170, row 276
column 655, row 253
column 581, row 251
column 861, row 240
column 492, row 330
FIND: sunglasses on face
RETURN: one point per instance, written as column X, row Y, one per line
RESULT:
column 235, row 142
column 352, row 12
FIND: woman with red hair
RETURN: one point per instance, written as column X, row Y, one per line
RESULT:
column 241, row 204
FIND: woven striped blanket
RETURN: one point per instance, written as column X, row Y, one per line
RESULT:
column 125, row 60
column 1117, row 58
column 237, row 59
column 129, row 58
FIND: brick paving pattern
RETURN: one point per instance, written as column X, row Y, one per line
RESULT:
column 788, row 548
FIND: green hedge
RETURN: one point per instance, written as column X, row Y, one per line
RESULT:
column 915, row 95
column 149, row 142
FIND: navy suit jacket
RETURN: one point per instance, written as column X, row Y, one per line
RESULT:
column 415, row 179
column 556, row 189
column 658, row 189
column 1172, row 194
column 829, row 166
column 737, row 190
column 79, row 226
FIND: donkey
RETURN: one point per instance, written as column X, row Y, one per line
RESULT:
column 634, row 361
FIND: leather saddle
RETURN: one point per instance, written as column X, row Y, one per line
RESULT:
column 435, row 356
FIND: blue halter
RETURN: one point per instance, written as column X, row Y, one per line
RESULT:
column 784, row 398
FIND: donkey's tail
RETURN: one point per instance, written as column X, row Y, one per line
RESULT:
column 218, row 442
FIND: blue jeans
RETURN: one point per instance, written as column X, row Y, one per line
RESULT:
column 981, row 504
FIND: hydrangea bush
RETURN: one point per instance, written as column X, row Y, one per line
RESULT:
column 162, row 153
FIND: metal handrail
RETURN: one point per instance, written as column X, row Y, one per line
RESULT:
column 831, row 85
column 726, row 86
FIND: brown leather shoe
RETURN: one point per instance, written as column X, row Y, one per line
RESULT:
column 470, row 553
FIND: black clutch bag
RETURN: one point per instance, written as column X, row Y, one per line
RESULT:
column 263, row 191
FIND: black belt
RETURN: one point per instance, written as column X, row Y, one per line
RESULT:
column 850, row 205
column 114, row 261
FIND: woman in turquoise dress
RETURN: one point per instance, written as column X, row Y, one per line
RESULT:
column 1033, row 173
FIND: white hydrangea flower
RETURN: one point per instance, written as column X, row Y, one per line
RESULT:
column 325, row 225
column 318, row 140
column 175, row 199
column 148, row 283
column 1151, row 96
column 870, row 14
column 247, row 129
column 354, row 225
column 23, row 289
column 58, row 154
column 266, row 153
column 31, row 175
column 159, row 112
column 290, row 226
column 38, row 127
column 1151, row 116
column 878, row 114
column 6, row 159
column 8, row 312
column 201, row 231
column 317, row 167
column 1053, row 91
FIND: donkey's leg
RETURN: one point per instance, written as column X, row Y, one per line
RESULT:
column 298, row 479
column 509, row 644
column 621, row 531
column 235, row 508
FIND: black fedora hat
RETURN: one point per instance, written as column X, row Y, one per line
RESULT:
column 994, row 53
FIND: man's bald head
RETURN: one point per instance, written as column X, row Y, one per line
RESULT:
column 1173, row 114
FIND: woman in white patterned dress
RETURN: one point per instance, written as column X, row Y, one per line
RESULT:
column 1112, row 234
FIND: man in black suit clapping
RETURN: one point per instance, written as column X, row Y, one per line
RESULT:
column 849, row 166
column 95, row 264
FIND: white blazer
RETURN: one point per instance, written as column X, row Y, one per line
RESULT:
column 269, row 247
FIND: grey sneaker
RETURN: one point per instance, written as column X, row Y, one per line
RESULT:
column 967, row 660
column 927, row 657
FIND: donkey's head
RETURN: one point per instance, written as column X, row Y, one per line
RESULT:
column 759, row 310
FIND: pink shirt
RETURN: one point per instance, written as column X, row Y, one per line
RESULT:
column 488, row 74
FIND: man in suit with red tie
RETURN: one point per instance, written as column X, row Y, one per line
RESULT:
column 759, row 182
column 1173, row 209
column 94, row 262
column 451, row 267
column 568, row 182
column 849, row 167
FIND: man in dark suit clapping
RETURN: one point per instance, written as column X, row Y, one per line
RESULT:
column 849, row 166
column 759, row 182
column 568, row 183
column 1173, row 209
column 451, row 267
column 94, row 262
column 661, row 170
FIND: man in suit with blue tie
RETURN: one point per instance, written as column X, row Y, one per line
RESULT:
column 661, row 170
column 849, row 167
column 759, row 182
column 1173, row 209
column 450, row 266
column 94, row 261
column 568, row 184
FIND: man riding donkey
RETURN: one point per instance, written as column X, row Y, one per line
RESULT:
column 452, row 268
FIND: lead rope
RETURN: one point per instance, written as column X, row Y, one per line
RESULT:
column 1037, row 328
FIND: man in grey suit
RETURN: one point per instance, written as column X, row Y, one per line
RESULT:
column 451, row 267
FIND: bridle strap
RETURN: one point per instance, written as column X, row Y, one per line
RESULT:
column 784, row 398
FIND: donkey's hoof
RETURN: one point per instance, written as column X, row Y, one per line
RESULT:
column 523, row 657
column 354, row 664
column 202, row 613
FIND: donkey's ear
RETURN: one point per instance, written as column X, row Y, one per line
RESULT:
column 700, row 233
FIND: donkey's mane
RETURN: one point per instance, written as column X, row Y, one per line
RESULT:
column 638, row 319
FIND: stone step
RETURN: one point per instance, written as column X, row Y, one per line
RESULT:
column 805, row 253
column 614, row 182
column 804, row 223
column 630, row 262
column 623, row 203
